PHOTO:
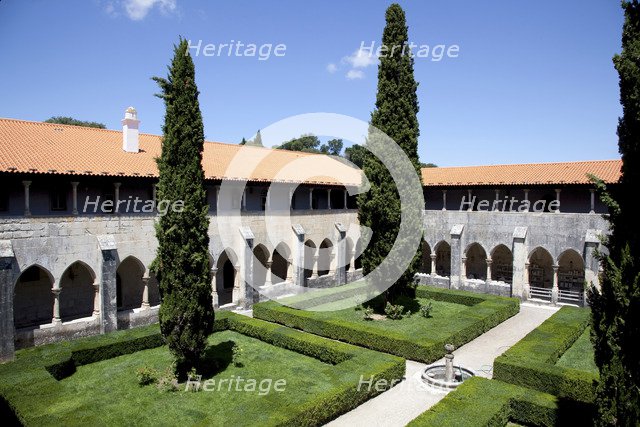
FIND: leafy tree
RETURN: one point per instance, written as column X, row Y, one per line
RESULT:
column 63, row 120
column 182, row 260
column 356, row 154
column 307, row 143
column 395, row 115
column 615, row 308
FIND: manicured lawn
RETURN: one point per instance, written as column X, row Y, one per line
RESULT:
column 580, row 355
column 93, row 381
column 457, row 317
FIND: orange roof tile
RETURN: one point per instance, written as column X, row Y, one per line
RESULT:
column 35, row 147
column 522, row 174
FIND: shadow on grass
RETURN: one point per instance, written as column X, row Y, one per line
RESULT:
column 216, row 359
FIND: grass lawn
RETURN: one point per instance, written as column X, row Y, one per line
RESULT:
column 97, row 382
column 580, row 355
column 457, row 317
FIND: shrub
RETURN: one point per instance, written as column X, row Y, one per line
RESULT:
column 532, row 361
column 425, row 310
column 146, row 375
column 394, row 312
column 367, row 314
column 237, row 355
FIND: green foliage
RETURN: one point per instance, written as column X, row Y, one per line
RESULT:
column 481, row 402
column 63, row 120
column 367, row 313
column 146, row 375
column 615, row 314
column 31, row 396
column 356, row 154
column 395, row 115
column 182, row 260
column 532, row 361
column 426, row 309
column 483, row 313
column 394, row 312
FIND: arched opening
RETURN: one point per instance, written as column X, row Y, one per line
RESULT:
column 32, row 298
column 541, row 268
column 309, row 258
column 260, row 259
column 225, row 277
column 476, row 264
column 325, row 256
column 571, row 271
column 357, row 263
column 280, row 263
column 129, row 284
column 443, row 259
column 425, row 266
column 502, row 265
column 349, row 248
column 77, row 292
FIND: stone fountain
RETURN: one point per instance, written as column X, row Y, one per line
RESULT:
column 448, row 376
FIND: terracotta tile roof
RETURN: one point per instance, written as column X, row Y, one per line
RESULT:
column 35, row 147
column 522, row 174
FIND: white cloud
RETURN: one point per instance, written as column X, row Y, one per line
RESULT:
column 332, row 68
column 361, row 59
column 355, row 74
column 138, row 9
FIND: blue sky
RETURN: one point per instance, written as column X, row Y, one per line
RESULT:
column 533, row 81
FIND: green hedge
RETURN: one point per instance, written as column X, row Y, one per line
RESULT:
column 29, row 383
column 482, row 402
column 531, row 362
column 485, row 312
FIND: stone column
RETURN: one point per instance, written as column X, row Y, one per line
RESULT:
column 267, row 278
column 489, row 263
column 558, row 199
column 444, row 200
column 74, row 197
column 56, row 305
column 593, row 200
column 145, row 293
column 108, row 291
column 311, row 198
column 96, row 298
column 345, row 199
column 329, row 199
column 9, row 273
column 116, row 195
column 289, row 274
column 554, row 290
column 526, row 197
column 214, row 287
column 433, row 264
column 527, row 287
column 27, row 208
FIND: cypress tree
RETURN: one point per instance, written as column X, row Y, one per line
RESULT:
column 182, row 260
column 616, row 307
column 395, row 115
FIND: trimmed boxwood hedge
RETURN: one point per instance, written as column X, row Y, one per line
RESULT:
column 31, row 381
column 486, row 311
column 482, row 402
column 532, row 361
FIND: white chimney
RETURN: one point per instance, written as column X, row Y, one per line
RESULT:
column 130, row 133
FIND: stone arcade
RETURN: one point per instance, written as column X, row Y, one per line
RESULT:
column 67, row 272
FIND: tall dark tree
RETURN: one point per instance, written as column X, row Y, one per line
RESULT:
column 182, row 261
column 616, row 307
column 395, row 115
column 64, row 120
